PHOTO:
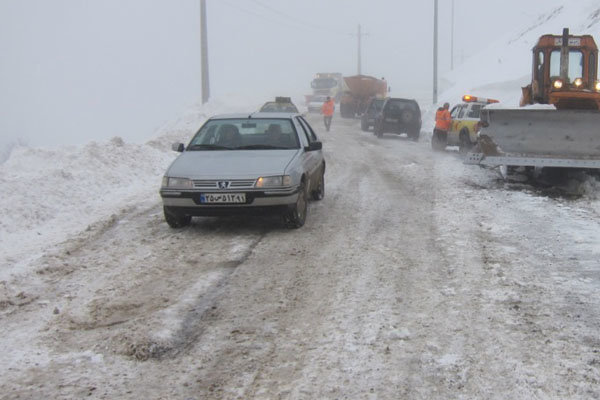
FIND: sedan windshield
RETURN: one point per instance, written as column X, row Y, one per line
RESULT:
column 279, row 107
column 245, row 134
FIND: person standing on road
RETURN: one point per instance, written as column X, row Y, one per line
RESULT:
column 327, row 110
column 443, row 120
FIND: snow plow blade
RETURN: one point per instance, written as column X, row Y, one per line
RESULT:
column 538, row 138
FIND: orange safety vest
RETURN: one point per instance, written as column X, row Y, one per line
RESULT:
column 328, row 108
column 442, row 119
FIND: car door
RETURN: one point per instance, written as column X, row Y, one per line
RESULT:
column 312, row 160
column 455, row 114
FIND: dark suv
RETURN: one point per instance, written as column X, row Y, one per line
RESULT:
column 374, row 107
column 399, row 116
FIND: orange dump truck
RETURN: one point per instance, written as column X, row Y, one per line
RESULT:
column 358, row 90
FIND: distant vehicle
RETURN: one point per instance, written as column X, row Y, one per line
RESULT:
column 465, row 124
column 399, row 116
column 281, row 104
column 358, row 90
column 374, row 107
column 253, row 163
column 315, row 103
column 328, row 84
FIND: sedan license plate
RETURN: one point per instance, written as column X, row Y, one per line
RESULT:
column 391, row 120
column 212, row 198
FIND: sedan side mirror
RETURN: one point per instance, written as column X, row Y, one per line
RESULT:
column 314, row 146
column 178, row 147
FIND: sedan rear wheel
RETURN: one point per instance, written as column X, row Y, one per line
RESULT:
column 296, row 216
column 319, row 192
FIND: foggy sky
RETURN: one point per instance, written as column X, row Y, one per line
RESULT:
column 72, row 71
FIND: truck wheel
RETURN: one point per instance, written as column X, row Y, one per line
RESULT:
column 175, row 219
column 296, row 216
column 464, row 142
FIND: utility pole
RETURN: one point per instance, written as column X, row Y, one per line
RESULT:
column 435, row 50
column 452, row 39
column 359, row 61
column 359, row 36
column 204, row 53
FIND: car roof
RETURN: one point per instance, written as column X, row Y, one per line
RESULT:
column 250, row 115
column 401, row 99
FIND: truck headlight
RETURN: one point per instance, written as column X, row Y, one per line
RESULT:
column 178, row 183
column 558, row 84
column 597, row 86
column 578, row 82
column 273, row 181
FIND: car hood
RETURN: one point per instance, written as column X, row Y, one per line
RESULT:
column 231, row 164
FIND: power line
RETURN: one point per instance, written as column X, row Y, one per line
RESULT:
column 296, row 20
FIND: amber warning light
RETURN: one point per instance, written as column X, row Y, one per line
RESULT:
column 472, row 99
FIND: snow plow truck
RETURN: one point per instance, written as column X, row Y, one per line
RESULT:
column 558, row 123
column 358, row 90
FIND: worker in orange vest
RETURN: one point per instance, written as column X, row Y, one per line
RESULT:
column 327, row 110
column 443, row 120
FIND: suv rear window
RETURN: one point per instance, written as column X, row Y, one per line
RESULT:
column 397, row 106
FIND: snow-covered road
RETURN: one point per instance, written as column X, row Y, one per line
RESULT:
column 416, row 277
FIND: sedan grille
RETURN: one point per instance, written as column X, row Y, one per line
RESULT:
column 221, row 184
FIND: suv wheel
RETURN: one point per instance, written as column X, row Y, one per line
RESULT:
column 363, row 124
column 414, row 135
column 176, row 219
column 296, row 216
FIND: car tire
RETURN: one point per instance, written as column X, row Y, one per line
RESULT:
column 464, row 142
column 319, row 192
column 296, row 216
column 414, row 135
column 175, row 219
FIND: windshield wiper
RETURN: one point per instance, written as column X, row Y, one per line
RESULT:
column 262, row 147
column 208, row 147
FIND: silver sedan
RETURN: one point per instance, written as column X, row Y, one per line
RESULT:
column 252, row 164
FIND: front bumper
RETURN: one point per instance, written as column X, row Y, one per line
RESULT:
column 257, row 202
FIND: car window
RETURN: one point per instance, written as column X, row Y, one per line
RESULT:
column 245, row 134
column 395, row 107
column 461, row 112
column 311, row 132
column 474, row 111
column 304, row 130
column 455, row 111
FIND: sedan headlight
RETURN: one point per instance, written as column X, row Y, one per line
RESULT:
column 176, row 183
column 558, row 84
column 273, row 181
